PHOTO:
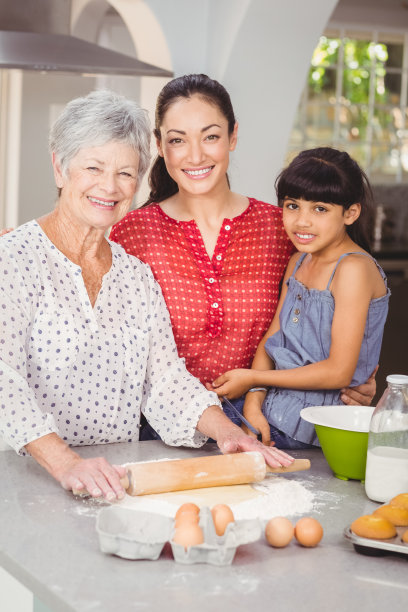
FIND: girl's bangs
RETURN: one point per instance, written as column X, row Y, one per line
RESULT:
column 320, row 183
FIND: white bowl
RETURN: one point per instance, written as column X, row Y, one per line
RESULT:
column 348, row 418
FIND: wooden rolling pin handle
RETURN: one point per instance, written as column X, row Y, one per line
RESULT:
column 298, row 465
column 123, row 481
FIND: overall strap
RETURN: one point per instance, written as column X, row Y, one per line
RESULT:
column 352, row 253
column 298, row 263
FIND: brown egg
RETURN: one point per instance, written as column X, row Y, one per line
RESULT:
column 188, row 534
column 308, row 531
column 279, row 532
column 186, row 517
column 222, row 516
column 188, row 508
column 405, row 537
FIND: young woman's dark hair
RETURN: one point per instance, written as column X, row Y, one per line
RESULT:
column 327, row 175
column 162, row 186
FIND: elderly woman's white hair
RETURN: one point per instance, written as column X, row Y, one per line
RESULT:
column 100, row 117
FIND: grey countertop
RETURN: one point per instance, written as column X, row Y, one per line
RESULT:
column 49, row 543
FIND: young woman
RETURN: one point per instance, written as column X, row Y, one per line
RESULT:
column 218, row 256
column 328, row 327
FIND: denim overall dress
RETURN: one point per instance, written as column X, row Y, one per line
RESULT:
column 305, row 337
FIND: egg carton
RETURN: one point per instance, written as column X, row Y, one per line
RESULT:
column 132, row 534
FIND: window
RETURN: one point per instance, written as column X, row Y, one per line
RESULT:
column 356, row 99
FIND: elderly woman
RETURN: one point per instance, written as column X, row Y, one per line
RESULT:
column 86, row 342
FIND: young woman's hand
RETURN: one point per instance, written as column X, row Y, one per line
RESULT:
column 5, row 231
column 233, row 384
column 361, row 395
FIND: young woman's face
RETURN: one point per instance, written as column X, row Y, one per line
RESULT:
column 100, row 184
column 315, row 226
column 195, row 145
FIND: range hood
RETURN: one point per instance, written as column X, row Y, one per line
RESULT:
column 59, row 52
column 35, row 35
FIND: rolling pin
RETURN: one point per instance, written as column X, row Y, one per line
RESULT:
column 201, row 472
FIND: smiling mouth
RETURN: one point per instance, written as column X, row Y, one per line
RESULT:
column 199, row 173
column 304, row 236
column 104, row 203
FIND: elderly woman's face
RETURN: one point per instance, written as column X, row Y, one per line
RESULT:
column 99, row 185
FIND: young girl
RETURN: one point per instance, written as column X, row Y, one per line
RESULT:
column 328, row 327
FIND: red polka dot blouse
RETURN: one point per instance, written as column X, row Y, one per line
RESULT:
column 220, row 307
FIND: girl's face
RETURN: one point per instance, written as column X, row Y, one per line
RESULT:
column 195, row 145
column 315, row 226
column 99, row 185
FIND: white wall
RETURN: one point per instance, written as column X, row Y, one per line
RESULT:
column 259, row 49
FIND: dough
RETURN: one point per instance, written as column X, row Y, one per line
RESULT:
column 370, row 526
column 168, row 503
column 395, row 514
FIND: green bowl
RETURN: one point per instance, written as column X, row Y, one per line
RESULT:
column 343, row 436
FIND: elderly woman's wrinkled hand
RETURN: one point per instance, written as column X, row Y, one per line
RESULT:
column 236, row 441
column 95, row 476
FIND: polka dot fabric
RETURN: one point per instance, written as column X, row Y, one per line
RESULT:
column 220, row 307
column 82, row 372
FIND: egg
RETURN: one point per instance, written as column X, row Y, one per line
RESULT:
column 222, row 515
column 187, row 508
column 186, row 517
column 188, row 534
column 405, row 537
column 308, row 531
column 279, row 532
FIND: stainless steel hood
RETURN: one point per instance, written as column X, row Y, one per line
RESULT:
column 35, row 35
column 59, row 52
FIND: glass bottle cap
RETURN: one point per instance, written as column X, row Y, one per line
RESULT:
column 397, row 379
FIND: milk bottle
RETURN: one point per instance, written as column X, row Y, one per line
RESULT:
column 387, row 455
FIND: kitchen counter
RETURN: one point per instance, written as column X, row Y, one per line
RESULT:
column 48, row 542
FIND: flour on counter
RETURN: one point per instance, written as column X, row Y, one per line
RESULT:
column 280, row 497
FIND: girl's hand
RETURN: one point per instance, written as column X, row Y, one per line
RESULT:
column 361, row 395
column 233, row 384
column 253, row 413
column 259, row 422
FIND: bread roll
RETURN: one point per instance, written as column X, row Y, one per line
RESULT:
column 395, row 514
column 400, row 500
column 370, row 526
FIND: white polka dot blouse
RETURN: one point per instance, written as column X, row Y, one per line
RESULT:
column 87, row 372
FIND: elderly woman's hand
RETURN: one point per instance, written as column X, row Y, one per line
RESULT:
column 232, row 439
column 95, row 476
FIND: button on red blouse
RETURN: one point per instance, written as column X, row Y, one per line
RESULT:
column 220, row 307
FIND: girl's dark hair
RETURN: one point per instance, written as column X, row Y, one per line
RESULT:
column 162, row 186
column 327, row 175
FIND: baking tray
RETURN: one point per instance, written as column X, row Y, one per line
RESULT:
column 375, row 547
